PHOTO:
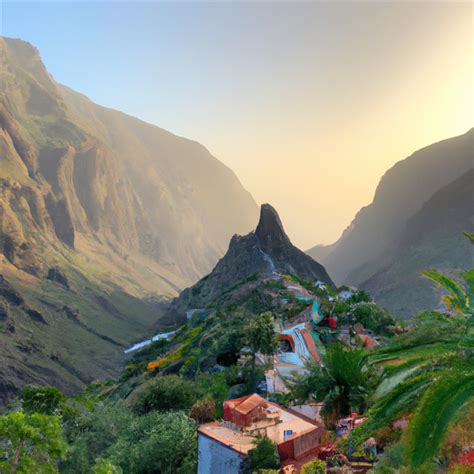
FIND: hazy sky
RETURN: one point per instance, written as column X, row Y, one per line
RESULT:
column 309, row 103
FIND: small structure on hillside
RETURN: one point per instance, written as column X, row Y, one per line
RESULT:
column 223, row 446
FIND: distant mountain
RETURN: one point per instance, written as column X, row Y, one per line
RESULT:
column 97, row 210
column 263, row 253
column 432, row 239
column 360, row 251
column 379, row 232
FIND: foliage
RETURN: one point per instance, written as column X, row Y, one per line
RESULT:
column 168, row 392
column 203, row 411
column 457, row 298
column 344, row 382
column 449, row 393
column 372, row 317
column 44, row 400
column 359, row 296
column 263, row 456
column 104, row 466
column 157, row 442
column 316, row 466
column 261, row 335
column 393, row 459
column 30, row 443
column 92, row 431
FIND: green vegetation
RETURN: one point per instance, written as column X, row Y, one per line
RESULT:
column 415, row 390
column 30, row 443
column 371, row 316
column 263, row 456
column 168, row 393
column 344, row 383
column 314, row 467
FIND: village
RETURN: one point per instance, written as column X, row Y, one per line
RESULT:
column 298, row 431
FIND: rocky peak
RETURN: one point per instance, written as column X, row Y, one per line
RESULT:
column 270, row 229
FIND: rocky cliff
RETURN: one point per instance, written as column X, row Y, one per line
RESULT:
column 98, row 210
column 263, row 253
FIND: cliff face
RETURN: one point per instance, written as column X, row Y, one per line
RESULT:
column 82, row 168
column 367, row 245
column 260, row 254
column 97, row 211
column 432, row 239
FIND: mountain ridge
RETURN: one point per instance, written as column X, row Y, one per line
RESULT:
column 102, row 217
column 261, row 254
column 377, row 226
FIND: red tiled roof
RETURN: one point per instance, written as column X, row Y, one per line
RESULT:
column 250, row 403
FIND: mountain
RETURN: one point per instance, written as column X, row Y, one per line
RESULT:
column 367, row 245
column 261, row 254
column 432, row 239
column 415, row 222
column 98, row 210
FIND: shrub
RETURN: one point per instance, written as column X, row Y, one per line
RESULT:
column 263, row 456
column 44, row 400
column 202, row 411
column 157, row 442
column 316, row 466
column 168, row 393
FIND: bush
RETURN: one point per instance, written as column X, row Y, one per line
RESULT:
column 168, row 393
column 263, row 456
column 157, row 442
column 372, row 317
column 91, row 432
column 316, row 466
column 44, row 400
column 202, row 411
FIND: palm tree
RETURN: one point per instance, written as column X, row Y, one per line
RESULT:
column 343, row 382
column 429, row 375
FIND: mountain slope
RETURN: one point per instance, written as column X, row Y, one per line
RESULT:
column 432, row 238
column 366, row 245
column 258, row 255
column 98, row 210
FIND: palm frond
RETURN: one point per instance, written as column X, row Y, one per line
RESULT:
column 440, row 403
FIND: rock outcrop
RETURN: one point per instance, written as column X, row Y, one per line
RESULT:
column 264, row 253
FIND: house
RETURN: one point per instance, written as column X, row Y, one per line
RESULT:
column 223, row 445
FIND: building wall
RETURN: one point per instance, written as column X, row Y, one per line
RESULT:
column 215, row 458
column 305, row 443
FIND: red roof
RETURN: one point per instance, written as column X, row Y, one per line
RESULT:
column 250, row 403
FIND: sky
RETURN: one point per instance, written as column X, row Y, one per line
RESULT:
column 309, row 103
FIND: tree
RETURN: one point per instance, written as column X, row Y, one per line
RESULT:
column 372, row 317
column 45, row 400
column 261, row 335
column 92, row 431
column 31, row 443
column 157, row 442
column 344, row 382
column 432, row 381
column 359, row 296
column 263, row 456
column 168, row 392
